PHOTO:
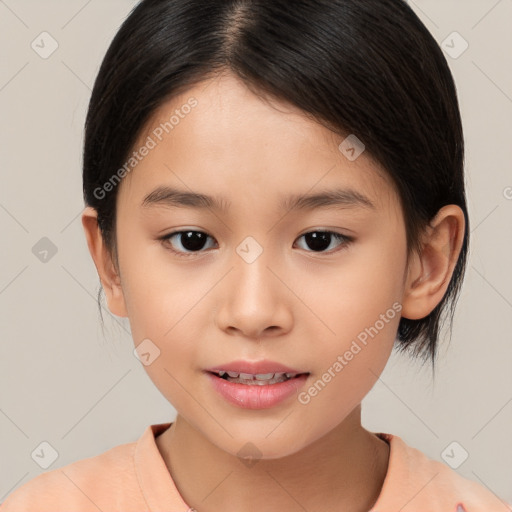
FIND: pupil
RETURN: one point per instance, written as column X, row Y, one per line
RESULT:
column 193, row 240
column 318, row 241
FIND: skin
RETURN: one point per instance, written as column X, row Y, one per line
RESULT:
column 293, row 304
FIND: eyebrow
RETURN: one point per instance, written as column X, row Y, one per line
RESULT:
column 342, row 198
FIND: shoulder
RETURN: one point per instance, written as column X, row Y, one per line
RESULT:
column 81, row 486
column 417, row 482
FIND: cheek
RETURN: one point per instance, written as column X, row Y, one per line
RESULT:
column 349, row 362
column 161, row 309
column 157, row 293
column 163, row 303
column 353, row 296
column 359, row 306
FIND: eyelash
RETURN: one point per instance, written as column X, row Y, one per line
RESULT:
column 346, row 241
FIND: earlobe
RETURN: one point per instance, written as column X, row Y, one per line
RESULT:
column 430, row 272
column 107, row 271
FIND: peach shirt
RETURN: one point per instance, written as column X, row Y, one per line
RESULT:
column 133, row 477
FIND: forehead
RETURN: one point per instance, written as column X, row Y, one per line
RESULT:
column 232, row 141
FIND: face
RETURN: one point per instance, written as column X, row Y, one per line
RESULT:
column 316, row 287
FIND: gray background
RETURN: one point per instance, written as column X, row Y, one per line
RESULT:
column 66, row 382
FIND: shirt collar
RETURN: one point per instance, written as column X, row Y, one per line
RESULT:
column 156, row 483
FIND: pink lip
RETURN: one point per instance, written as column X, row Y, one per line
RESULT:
column 264, row 366
column 254, row 396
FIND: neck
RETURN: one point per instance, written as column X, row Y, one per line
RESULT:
column 344, row 470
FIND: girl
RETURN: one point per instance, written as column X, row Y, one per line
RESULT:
column 313, row 151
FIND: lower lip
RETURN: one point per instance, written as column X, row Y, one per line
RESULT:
column 255, row 396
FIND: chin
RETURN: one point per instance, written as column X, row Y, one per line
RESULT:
column 261, row 446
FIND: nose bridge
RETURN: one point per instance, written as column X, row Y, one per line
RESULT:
column 251, row 266
column 253, row 300
column 250, row 250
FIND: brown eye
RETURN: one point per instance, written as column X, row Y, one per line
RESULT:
column 319, row 241
column 186, row 242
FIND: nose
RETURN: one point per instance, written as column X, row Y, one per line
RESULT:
column 254, row 300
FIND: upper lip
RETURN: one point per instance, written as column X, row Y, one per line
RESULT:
column 254, row 367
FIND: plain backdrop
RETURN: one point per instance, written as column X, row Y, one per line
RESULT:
column 65, row 382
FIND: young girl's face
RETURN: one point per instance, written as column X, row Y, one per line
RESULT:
column 262, row 283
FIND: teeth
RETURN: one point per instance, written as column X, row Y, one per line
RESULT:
column 269, row 378
column 264, row 376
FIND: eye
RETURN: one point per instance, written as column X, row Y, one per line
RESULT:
column 190, row 241
column 321, row 240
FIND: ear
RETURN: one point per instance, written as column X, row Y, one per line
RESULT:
column 430, row 272
column 107, row 271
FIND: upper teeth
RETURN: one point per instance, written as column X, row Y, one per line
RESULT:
column 257, row 376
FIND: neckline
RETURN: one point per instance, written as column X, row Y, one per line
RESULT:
column 395, row 452
column 160, row 491
column 155, row 481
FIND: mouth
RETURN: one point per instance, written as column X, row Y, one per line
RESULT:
column 258, row 379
